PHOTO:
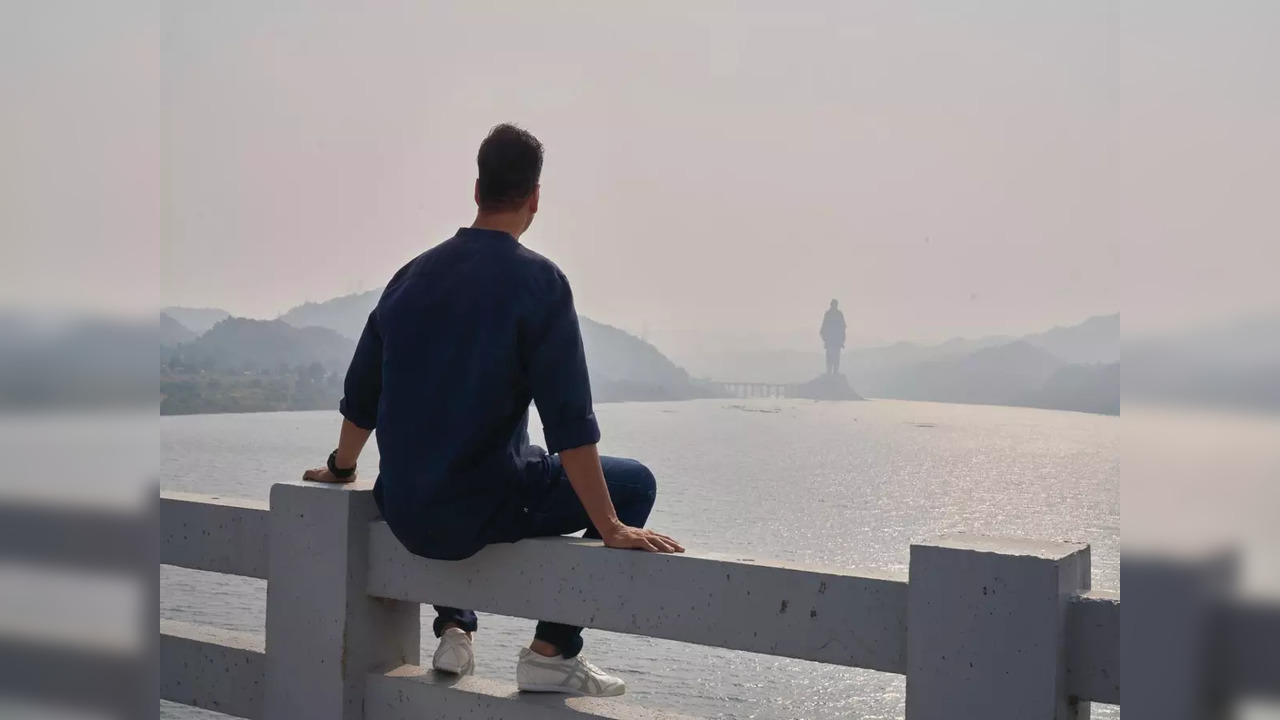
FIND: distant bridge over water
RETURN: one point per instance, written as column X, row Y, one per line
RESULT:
column 754, row 389
column 823, row 387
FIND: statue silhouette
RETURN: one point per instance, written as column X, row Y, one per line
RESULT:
column 833, row 336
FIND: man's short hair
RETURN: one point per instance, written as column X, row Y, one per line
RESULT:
column 510, row 165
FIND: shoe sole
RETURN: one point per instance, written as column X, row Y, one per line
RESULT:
column 470, row 668
column 562, row 690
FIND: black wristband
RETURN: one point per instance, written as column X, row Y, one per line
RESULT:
column 340, row 473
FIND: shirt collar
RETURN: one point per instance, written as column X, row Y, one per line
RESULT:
column 483, row 234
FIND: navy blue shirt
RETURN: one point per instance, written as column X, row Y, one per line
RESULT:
column 463, row 339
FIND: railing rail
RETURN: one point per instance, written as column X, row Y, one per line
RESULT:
column 212, row 668
column 202, row 666
column 1093, row 646
column 971, row 625
column 205, row 532
column 81, row 654
column 404, row 694
column 833, row 616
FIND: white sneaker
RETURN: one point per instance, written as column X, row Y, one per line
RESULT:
column 575, row 676
column 454, row 656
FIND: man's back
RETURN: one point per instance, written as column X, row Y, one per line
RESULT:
column 461, row 340
column 463, row 331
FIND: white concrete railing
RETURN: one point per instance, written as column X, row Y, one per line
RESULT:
column 980, row 627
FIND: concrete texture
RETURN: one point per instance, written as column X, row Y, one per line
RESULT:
column 211, row 668
column 407, row 692
column 986, row 628
column 826, row 615
column 203, row 532
column 324, row 633
column 1093, row 647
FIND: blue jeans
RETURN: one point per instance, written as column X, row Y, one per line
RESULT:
column 554, row 509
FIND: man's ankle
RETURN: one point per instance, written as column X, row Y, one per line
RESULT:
column 544, row 648
column 451, row 626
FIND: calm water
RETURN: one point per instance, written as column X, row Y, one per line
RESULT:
column 834, row 484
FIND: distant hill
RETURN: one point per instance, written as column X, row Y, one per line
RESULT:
column 614, row 354
column 197, row 320
column 1230, row 365
column 76, row 363
column 241, row 365
column 345, row 315
column 173, row 333
column 1017, row 373
column 993, row 376
column 1069, row 368
column 993, row 370
column 1079, row 387
column 240, row 344
column 622, row 366
column 1096, row 340
column 879, row 367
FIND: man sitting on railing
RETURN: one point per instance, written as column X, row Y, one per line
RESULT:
column 463, row 339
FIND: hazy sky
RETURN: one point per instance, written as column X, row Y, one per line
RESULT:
column 715, row 171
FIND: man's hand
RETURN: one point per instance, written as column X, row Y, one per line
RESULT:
column 351, row 441
column 625, row 537
column 322, row 475
column 582, row 466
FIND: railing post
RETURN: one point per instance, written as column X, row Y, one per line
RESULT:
column 324, row 633
column 1170, row 640
column 985, row 628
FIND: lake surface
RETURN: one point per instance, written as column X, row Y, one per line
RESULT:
column 842, row 484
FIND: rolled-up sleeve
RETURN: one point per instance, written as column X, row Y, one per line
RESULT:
column 363, row 383
column 558, row 379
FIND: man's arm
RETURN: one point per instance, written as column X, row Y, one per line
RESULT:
column 359, row 406
column 557, row 367
column 351, row 440
column 582, row 465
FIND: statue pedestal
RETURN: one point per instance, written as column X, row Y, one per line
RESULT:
column 826, row 387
